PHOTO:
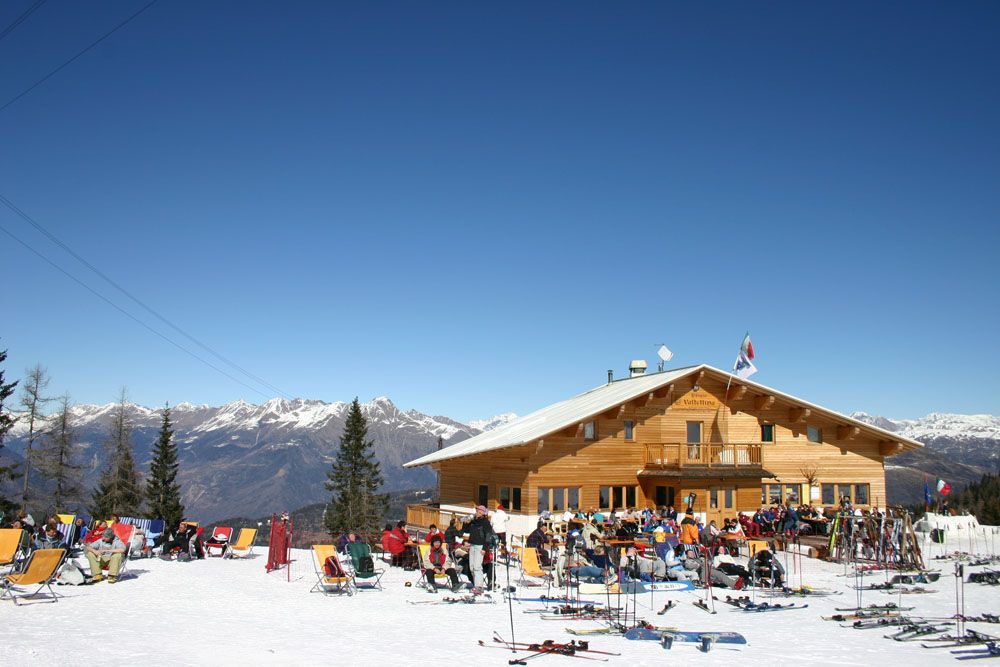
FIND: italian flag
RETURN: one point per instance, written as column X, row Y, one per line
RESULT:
column 943, row 488
column 746, row 347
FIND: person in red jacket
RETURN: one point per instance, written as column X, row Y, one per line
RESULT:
column 434, row 532
column 395, row 543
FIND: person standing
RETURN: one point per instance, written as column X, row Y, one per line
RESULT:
column 481, row 537
column 499, row 523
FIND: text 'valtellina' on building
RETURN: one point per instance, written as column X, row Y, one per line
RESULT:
column 653, row 439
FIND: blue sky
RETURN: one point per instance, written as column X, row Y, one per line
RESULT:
column 477, row 208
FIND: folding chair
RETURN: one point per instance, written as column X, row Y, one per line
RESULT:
column 371, row 576
column 222, row 534
column 66, row 518
column 10, row 543
column 124, row 532
column 530, row 567
column 41, row 569
column 243, row 547
column 338, row 582
column 753, row 546
column 422, row 551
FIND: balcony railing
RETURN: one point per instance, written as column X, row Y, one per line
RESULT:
column 712, row 455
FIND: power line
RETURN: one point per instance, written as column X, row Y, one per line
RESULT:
column 22, row 18
column 128, row 314
column 68, row 62
column 31, row 221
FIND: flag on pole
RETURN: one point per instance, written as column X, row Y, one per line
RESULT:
column 928, row 498
column 744, row 368
column 942, row 487
column 746, row 347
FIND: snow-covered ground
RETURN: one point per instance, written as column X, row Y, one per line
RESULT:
column 230, row 611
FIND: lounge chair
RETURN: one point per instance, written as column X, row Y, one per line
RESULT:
column 530, row 567
column 340, row 581
column 41, row 570
column 243, row 546
column 370, row 576
column 10, row 543
column 223, row 534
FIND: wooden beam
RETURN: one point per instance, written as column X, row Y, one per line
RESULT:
column 763, row 402
column 847, row 432
column 611, row 414
column 649, row 398
column 737, row 392
column 795, row 415
column 538, row 447
column 699, row 377
column 888, row 447
column 621, row 411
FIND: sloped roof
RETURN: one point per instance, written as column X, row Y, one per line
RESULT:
column 582, row 407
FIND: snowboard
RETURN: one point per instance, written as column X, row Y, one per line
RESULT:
column 657, row 586
column 599, row 589
column 694, row 637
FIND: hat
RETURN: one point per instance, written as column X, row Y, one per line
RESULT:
column 499, row 506
column 481, row 509
column 109, row 534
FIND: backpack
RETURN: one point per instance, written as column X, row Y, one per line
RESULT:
column 71, row 574
column 332, row 567
column 366, row 564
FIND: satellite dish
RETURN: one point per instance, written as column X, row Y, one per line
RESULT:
column 665, row 353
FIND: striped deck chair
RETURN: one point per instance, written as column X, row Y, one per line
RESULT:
column 243, row 546
column 40, row 570
column 66, row 518
column 340, row 581
column 221, row 536
column 67, row 530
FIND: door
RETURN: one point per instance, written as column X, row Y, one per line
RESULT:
column 721, row 504
column 694, row 442
column 664, row 496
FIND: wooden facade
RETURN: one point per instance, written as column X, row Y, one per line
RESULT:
column 733, row 452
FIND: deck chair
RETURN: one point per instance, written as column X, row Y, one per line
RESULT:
column 423, row 550
column 223, row 534
column 67, row 530
column 41, row 570
column 10, row 543
column 756, row 545
column 243, row 546
column 124, row 532
column 66, row 518
column 340, row 581
column 370, row 577
column 531, row 567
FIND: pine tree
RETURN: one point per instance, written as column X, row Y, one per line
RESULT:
column 33, row 401
column 57, row 460
column 6, row 423
column 118, row 491
column 354, row 480
column 163, row 493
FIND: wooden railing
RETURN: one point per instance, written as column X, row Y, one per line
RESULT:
column 424, row 515
column 681, row 454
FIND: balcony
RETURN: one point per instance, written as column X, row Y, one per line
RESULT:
column 676, row 455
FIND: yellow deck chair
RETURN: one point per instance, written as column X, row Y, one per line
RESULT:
column 243, row 546
column 530, row 566
column 10, row 542
column 330, row 585
column 66, row 518
column 757, row 545
column 40, row 570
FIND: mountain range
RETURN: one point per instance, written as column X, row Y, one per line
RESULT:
column 243, row 459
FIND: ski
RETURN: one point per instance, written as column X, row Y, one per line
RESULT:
column 614, row 630
column 577, row 645
column 554, row 649
column 555, row 600
column 667, row 607
column 703, row 606
column 861, row 616
column 889, row 606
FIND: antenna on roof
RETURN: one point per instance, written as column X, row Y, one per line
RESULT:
column 665, row 354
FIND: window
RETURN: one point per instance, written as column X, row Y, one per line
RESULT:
column 767, row 432
column 483, row 495
column 777, row 494
column 814, row 434
column 664, row 496
column 629, row 430
column 604, row 497
column 694, row 432
column 573, row 499
column 510, row 498
column 617, row 497
column 590, row 430
column 860, row 494
column 630, row 496
column 554, row 499
column 843, row 491
column 829, row 494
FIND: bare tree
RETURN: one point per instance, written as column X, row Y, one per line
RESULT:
column 810, row 472
column 33, row 401
column 57, row 459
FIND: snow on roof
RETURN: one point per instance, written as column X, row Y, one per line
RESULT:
column 599, row 399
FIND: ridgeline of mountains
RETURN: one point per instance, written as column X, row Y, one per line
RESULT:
column 251, row 460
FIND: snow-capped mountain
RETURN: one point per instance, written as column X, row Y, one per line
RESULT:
column 493, row 422
column 957, row 448
column 243, row 459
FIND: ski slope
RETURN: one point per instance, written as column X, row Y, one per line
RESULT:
column 230, row 611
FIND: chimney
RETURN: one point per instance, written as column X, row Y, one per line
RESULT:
column 637, row 367
column 611, row 376
column 440, row 443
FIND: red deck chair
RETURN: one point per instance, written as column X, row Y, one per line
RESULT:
column 124, row 532
column 221, row 535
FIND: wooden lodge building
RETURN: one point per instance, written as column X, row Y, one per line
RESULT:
column 653, row 439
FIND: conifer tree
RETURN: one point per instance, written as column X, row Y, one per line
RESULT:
column 163, row 493
column 57, row 460
column 6, row 423
column 118, row 490
column 33, row 401
column 354, row 480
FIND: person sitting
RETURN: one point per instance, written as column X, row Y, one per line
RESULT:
column 50, row 538
column 674, row 562
column 80, row 532
column 589, row 570
column 432, row 533
column 750, row 527
column 395, row 542
column 437, row 561
column 109, row 551
column 537, row 541
column 724, row 562
column 185, row 541
column 642, row 568
column 765, row 567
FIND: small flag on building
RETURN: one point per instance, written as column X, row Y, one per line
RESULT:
column 744, row 367
column 943, row 488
